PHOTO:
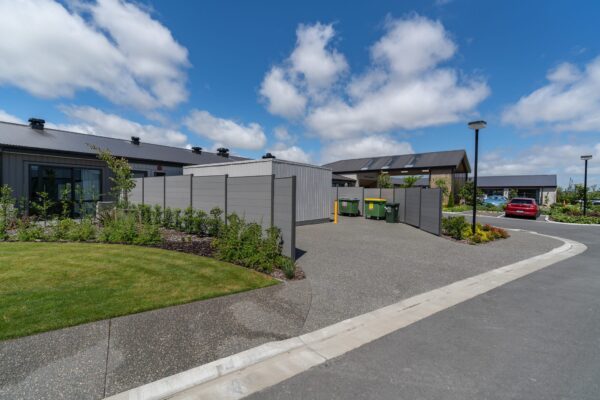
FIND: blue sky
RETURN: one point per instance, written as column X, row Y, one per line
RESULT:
column 315, row 81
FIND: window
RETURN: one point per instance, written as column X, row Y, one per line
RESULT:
column 159, row 173
column 139, row 174
column 80, row 186
column 521, row 201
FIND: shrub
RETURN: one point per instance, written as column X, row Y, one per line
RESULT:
column 128, row 230
column 157, row 215
column 177, row 221
column 29, row 231
column 246, row 244
column 454, row 227
column 84, row 231
column 200, row 223
column 60, row 229
column 147, row 234
column 188, row 220
column 215, row 222
column 167, row 221
column 145, row 213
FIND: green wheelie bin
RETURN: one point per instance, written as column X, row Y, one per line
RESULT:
column 348, row 207
column 375, row 208
column 391, row 212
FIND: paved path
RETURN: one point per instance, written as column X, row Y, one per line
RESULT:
column 354, row 267
column 534, row 338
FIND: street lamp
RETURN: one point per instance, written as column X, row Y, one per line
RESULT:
column 476, row 125
column 586, row 159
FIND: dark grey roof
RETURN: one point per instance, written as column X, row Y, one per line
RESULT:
column 399, row 180
column 336, row 177
column 509, row 181
column 452, row 158
column 22, row 136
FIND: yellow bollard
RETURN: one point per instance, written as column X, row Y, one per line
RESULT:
column 335, row 212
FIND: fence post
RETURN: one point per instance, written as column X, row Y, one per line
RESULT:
column 293, row 244
column 225, row 198
column 143, row 190
column 192, row 191
column 420, row 205
column 363, row 202
column 440, row 208
column 164, row 191
column 272, row 200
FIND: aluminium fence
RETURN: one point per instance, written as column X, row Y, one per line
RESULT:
column 266, row 200
column 419, row 207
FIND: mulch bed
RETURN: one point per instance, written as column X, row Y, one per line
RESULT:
column 202, row 246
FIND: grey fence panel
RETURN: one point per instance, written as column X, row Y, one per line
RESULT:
column 136, row 195
column 250, row 198
column 154, row 191
column 178, row 191
column 431, row 210
column 372, row 193
column 388, row 194
column 413, row 206
column 284, row 213
column 400, row 198
column 208, row 192
column 352, row 193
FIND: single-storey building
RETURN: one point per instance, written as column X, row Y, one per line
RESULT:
column 34, row 158
column 451, row 166
column 342, row 181
column 313, row 183
column 539, row 187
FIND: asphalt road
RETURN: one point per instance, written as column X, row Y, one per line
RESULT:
column 535, row 338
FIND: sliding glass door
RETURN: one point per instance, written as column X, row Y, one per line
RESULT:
column 79, row 187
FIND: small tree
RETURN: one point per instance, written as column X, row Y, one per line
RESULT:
column 410, row 181
column 443, row 185
column 43, row 204
column 466, row 193
column 122, row 177
column 512, row 193
column 384, row 181
column 7, row 210
column 65, row 201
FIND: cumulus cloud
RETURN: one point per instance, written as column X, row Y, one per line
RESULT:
column 542, row 159
column 570, row 101
column 291, row 153
column 367, row 146
column 404, row 87
column 225, row 131
column 93, row 121
column 282, row 97
column 7, row 117
column 111, row 47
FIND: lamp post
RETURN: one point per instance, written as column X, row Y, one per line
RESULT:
column 476, row 125
column 585, row 158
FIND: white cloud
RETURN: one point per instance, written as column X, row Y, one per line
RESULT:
column 291, row 153
column 542, row 159
column 226, row 132
column 367, row 146
column 282, row 134
column 111, row 47
column 405, row 87
column 93, row 121
column 281, row 96
column 312, row 61
column 569, row 102
column 6, row 117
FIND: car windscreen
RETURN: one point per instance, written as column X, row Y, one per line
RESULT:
column 521, row 201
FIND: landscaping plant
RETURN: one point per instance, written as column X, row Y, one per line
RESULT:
column 458, row 228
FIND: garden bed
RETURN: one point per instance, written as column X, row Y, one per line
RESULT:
column 458, row 229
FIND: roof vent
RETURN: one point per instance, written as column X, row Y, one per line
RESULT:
column 37, row 123
column 223, row 152
column 196, row 149
column 135, row 140
column 267, row 156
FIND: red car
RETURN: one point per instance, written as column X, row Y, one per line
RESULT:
column 522, row 207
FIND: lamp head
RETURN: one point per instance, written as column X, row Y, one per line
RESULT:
column 586, row 157
column 477, row 124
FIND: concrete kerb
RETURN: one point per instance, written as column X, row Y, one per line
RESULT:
column 547, row 219
column 255, row 369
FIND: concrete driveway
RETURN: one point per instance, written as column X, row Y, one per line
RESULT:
column 353, row 267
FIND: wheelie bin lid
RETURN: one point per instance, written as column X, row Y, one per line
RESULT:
column 375, row 199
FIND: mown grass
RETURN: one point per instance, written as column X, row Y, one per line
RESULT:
column 46, row 286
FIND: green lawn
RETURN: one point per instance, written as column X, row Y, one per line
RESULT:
column 45, row 286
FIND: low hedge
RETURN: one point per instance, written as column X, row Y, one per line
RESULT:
column 458, row 228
